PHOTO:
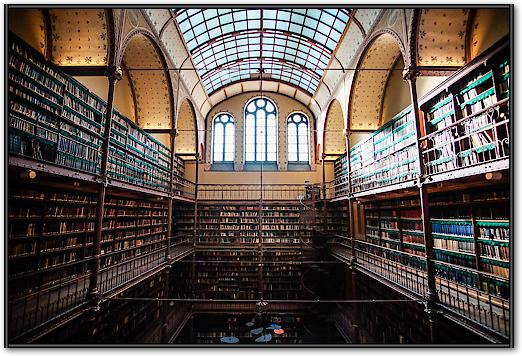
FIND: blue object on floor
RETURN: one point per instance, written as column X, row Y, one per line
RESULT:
column 256, row 331
column 229, row 339
column 264, row 338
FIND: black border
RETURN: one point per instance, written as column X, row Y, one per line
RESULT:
column 510, row 7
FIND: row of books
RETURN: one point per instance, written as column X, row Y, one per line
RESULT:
column 454, row 245
column 494, row 251
column 501, row 271
column 460, row 228
column 494, row 233
column 79, row 116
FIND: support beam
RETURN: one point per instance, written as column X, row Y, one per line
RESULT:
column 195, row 233
column 434, row 71
column 410, row 74
column 170, row 238
column 353, row 259
column 85, row 71
column 113, row 75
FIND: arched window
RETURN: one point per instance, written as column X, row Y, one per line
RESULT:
column 223, row 138
column 298, row 145
column 260, row 131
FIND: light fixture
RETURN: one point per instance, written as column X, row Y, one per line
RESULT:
column 28, row 174
column 493, row 176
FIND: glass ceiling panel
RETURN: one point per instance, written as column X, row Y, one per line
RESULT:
column 290, row 45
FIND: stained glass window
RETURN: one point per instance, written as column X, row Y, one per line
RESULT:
column 260, row 131
column 298, row 145
column 223, row 138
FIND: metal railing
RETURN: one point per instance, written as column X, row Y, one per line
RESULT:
column 476, row 139
column 46, row 303
column 395, row 167
column 409, row 272
column 183, row 187
column 286, row 192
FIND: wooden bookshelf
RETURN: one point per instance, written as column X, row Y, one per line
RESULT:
column 341, row 176
column 50, row 234
column 464, row 123
column 387, row 156
column 468, row 118
column 53, row 118
column 337, row 219
column 470, row 238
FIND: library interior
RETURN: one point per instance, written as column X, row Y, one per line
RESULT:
column 258, row 175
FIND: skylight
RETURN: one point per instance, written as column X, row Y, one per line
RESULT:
column 290, row 45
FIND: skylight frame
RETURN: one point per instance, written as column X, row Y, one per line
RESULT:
column 226, row 43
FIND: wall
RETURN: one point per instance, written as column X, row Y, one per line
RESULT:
column 489, row 26
column 251, row 177
column 396, row 93
column 29, row 25
column 235, row 106
column 425, row 84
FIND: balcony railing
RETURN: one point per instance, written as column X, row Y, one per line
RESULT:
column 287, row 192
column 476, row 139
column 184, row 187
column 409, row 272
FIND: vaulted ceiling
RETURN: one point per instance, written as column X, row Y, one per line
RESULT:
column 79, row 37
column 293, row 46
column 370, row 82
column 149, row 82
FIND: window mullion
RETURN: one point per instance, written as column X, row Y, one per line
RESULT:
column 224, row 142
column 297, row 142
column 266, row 136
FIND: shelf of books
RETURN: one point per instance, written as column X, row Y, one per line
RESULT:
column 133, row 240
column 55, row 119
column 49, row 234
column 467, row 122
column 341, row 176
column 464, row 123
column 387, row 157
column 229, row 239
column 337, row 219
column 227, row 274
column 470, row 232
column 50, row 246
column 230, row 224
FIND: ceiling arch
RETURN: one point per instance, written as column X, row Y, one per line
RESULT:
column 186, row 140
column 370, row 81
column 273, row 86
column 80, row 37
column 142, row 60
column 442, row 37
column 333, row 139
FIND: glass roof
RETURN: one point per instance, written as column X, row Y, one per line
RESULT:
column 290, row 45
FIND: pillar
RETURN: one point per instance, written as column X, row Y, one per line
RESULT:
column 410, row 74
